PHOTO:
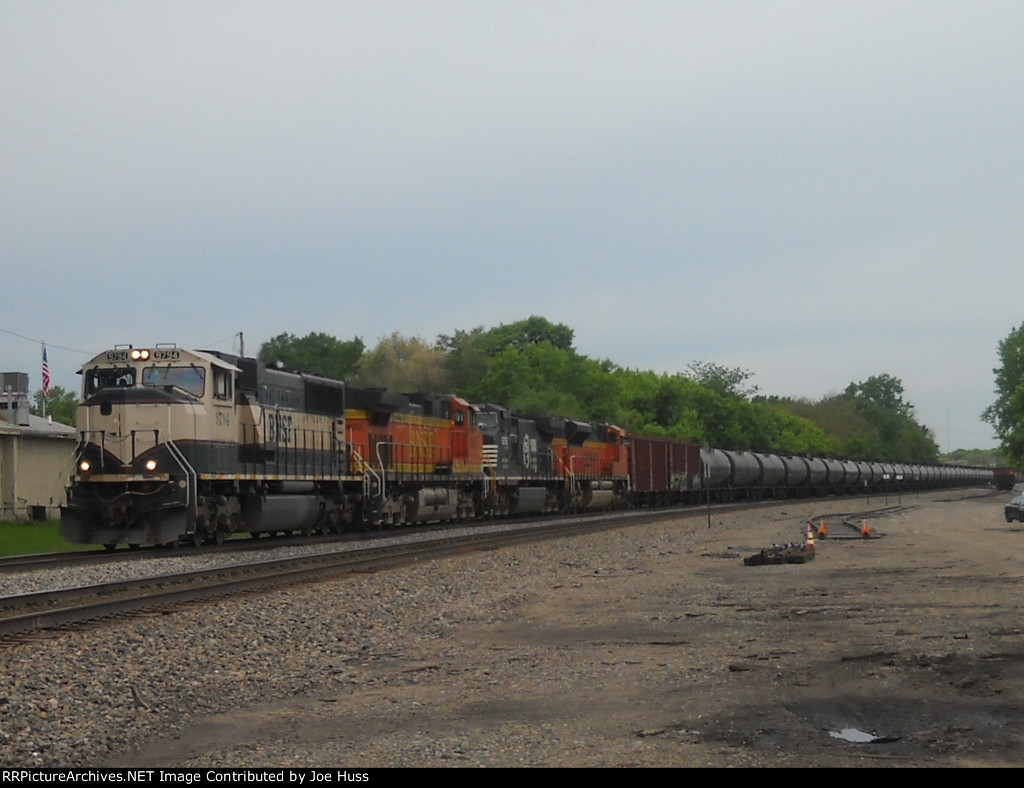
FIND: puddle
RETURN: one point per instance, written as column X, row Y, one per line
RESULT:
column 860, row 737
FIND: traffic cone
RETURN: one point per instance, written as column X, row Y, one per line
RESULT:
column 809, row 547
column 865, row 531
column 822, row 531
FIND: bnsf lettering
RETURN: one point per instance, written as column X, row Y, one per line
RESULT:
column 279, row 427
column 422, row 444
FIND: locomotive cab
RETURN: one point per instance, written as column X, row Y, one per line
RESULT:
column 148, row 418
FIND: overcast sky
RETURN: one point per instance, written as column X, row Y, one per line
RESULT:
column 816, row 192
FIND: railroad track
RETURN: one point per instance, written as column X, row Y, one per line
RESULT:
column 19, row 563
column 853, row 522
column 54, row 610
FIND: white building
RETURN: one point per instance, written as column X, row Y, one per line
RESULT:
column 35, row 456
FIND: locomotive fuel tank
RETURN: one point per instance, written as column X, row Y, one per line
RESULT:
column 271, row 513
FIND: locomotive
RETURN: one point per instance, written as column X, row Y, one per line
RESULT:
column 192, row 446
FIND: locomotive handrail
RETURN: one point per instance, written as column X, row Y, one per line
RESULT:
column 134, row 433
column 72, row 458
column 491, row 478
column 363, row 465
column 383, row 471
column 103, row 444
column 81, row 451
column 192, row 483
column 570, row 475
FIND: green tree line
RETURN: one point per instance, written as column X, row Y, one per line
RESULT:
column 533, row 366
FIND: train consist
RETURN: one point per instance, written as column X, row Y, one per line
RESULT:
column 192, row 446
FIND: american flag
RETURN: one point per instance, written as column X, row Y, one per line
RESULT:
column 46, row 374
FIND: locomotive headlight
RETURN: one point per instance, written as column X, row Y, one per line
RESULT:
column 84, row 466
column 150, row 465
column 140, row 355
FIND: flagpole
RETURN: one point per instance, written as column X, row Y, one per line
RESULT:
column 46, row 378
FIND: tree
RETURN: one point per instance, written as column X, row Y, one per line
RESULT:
column 725, row 381
column 316, row 353
column 1006, row 414
column 61, row 404
column 520, row 335
column 470, row 355
column 885, row 391
column 401, row 363
column 893, row 433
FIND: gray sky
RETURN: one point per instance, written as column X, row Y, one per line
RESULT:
column 816, row 192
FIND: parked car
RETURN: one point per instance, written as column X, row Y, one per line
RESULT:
column 1015, row 509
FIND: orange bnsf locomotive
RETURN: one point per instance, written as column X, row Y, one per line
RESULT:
column 192, row 446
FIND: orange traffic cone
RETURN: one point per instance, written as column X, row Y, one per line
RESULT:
column 809, row 547
column 865, row 531
column 822, row 531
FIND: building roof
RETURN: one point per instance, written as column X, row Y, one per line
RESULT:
column 38, row 427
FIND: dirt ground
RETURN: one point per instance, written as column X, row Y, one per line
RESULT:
column 657, row 647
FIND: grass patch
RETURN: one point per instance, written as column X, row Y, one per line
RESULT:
column 31, row 538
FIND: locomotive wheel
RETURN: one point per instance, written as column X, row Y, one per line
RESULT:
column 197, row 538
column 218, row 536
column 110, row 547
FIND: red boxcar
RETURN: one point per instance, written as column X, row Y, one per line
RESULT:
column 663, row 470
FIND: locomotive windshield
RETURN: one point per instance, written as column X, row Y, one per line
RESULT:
column 189, row 379
column 121, row 377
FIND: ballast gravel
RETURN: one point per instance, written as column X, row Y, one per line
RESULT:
column 647, row 646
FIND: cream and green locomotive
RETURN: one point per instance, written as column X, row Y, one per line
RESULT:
column 180, row 445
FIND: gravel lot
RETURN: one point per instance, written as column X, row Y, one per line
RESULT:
column 649, row 646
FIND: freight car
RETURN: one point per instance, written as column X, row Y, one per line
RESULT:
column 736, row 475
column 178, row 445
column 1005, row 478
